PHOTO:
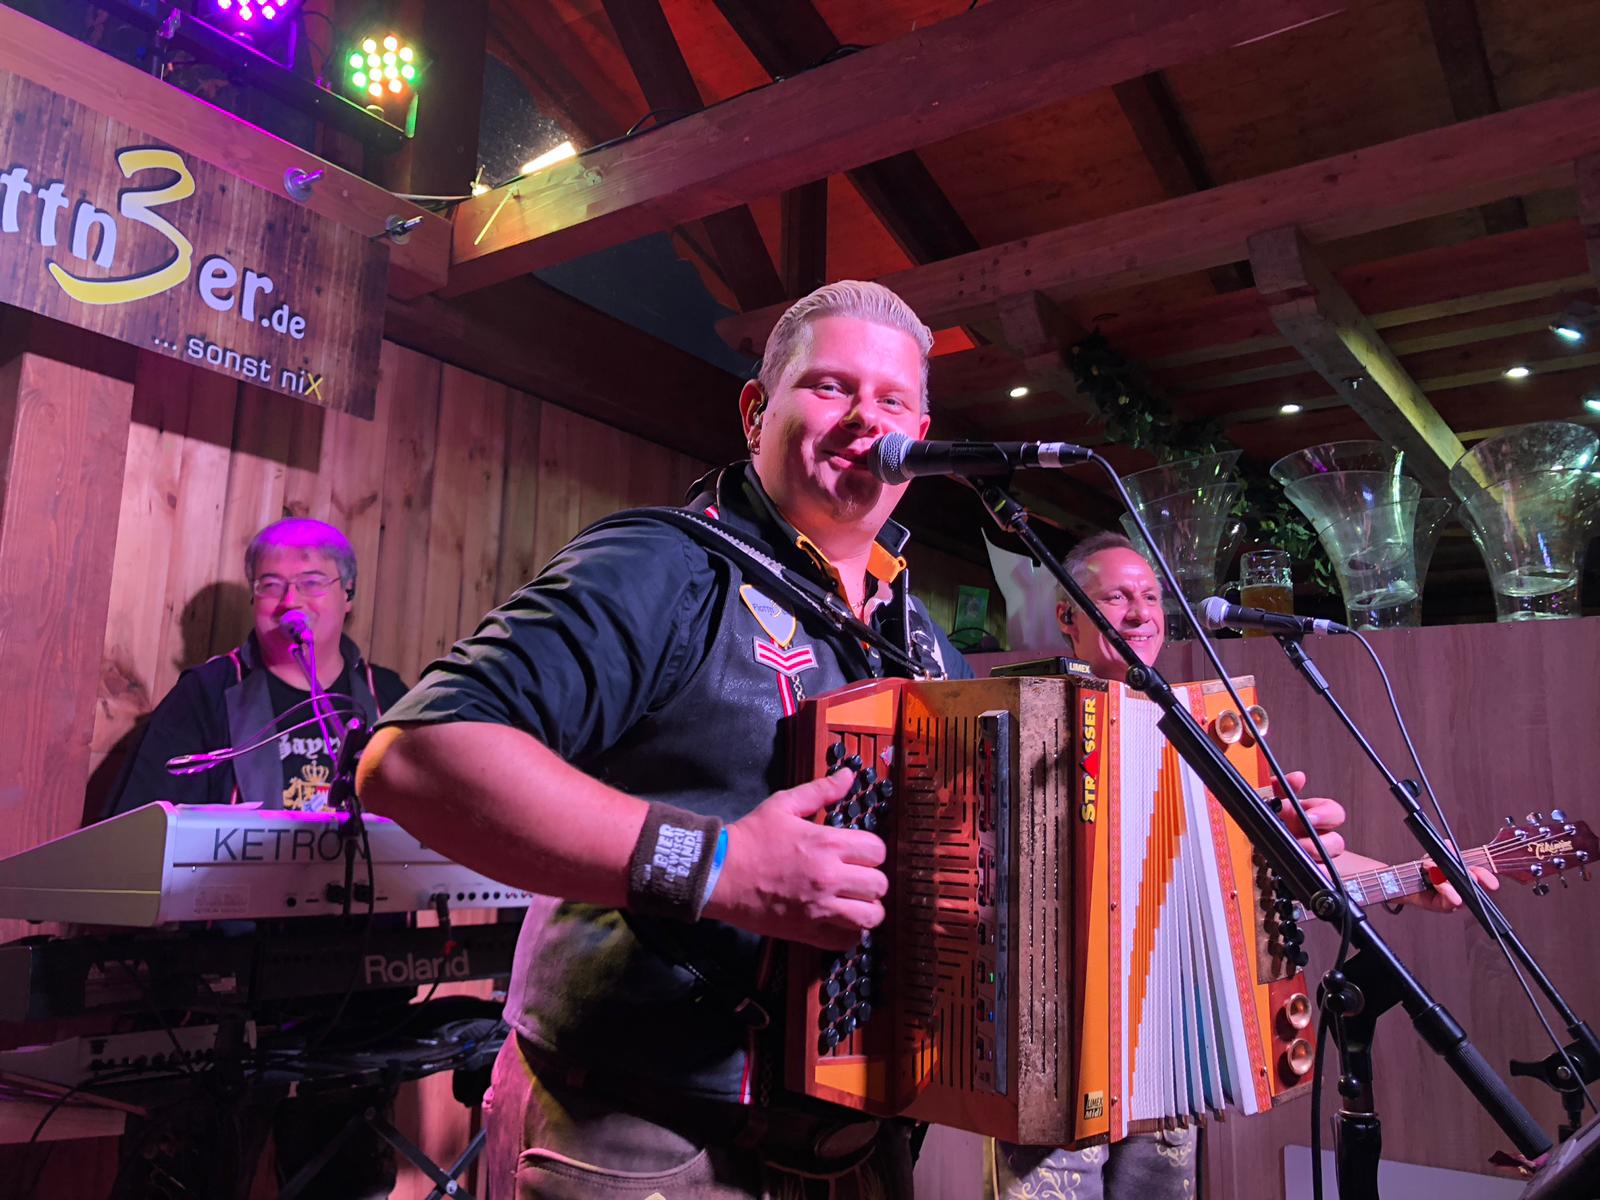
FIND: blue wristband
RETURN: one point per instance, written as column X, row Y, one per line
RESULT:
column 717, row 859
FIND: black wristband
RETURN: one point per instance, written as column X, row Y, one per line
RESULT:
column 670, row 863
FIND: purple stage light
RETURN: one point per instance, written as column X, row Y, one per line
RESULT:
column 252, row 15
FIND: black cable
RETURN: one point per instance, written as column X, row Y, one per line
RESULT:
column 1346, row 923
column 1497, row 924
column 366, row 941
column 83, row 1087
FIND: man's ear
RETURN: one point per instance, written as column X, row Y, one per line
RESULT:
column 752, row 404
column 1064, row 618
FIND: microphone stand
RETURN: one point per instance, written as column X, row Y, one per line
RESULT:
column 353, row 829
column 305, row 653
column 1379, row 972
column 1578, row 1061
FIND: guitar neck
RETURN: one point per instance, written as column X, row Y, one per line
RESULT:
column 1403, row 879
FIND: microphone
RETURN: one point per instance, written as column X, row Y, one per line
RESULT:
column 896, row 458
column 193, row 764
column 1217, row 613
column 296, row 626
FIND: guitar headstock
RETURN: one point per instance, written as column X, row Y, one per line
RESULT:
column 1540, row 849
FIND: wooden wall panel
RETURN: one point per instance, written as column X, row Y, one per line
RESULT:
column 263, row 434
column 354, row 464
column 63, row 443
column 1503, row 717
column 409, row 384
column 519, row 507
column 175, row 482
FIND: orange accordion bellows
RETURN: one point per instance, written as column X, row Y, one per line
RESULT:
column 1079, row 943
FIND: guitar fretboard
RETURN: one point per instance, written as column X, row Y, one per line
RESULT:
column 1402, row 879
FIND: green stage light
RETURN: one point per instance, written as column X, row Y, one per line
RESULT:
column 383, row 69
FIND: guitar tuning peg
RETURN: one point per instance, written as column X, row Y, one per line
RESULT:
column 1583, row 873
column 1563, row 879
column 1557, row 814
column 1511, row 822
column 1541, row 889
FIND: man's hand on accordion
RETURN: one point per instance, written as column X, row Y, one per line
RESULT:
column 788, row 876
column 1327, row 815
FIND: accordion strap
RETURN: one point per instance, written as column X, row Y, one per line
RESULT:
column 828, row 605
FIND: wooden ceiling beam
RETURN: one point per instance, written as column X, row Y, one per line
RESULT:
column 791, row 36
column 1318, row 317
column 1042, row 335
column 1458, row 41
column 1427, row 285
column 1408, row 179
column 966, row 72
column 1589, row 210
column 539, row 340
column 1175, row 156
column 543, row 47
column 804, row 221
column 664, row 78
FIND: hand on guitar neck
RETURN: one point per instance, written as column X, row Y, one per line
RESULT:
column 1536, row 852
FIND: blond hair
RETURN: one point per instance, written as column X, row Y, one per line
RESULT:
column 856, row 298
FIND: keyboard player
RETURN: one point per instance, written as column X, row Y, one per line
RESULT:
column 292, row 564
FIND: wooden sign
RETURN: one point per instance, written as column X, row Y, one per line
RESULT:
column 106, row 227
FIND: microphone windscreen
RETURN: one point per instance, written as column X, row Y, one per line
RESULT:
column 888, row 455
column 1214, row 612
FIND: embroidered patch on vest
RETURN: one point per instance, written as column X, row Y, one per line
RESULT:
column 785, row 662
column 779, row 623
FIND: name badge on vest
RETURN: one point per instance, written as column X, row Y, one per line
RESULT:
column 779, row 623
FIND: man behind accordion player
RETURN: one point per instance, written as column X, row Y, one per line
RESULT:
column 1152, row 1166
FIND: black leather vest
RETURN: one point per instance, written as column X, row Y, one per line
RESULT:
column 584, row 987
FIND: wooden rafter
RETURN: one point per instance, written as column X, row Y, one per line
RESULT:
column 1042, row 335
column 963, row 73
column 1411, row 178
column 805, row 238
column 668, row 86
column 790, row 36
column 540, row 340
column 553, row 58
column 442, row 159
column 1458, row 40
column 1319, row 319
column 1172, row 152
column 1588, row 172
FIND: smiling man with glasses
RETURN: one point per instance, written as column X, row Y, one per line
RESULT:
column 293, row 564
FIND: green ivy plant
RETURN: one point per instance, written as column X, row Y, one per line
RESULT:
column 1136, row 414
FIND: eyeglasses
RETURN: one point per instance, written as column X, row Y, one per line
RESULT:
column 273, row 587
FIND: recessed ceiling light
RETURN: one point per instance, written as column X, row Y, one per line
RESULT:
column 1569, row 333
column 1517, row 372
column 1018, row 392
column 1592, row 403
column 1289, row 410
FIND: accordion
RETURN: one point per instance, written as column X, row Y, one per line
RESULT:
column 1078, row 943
